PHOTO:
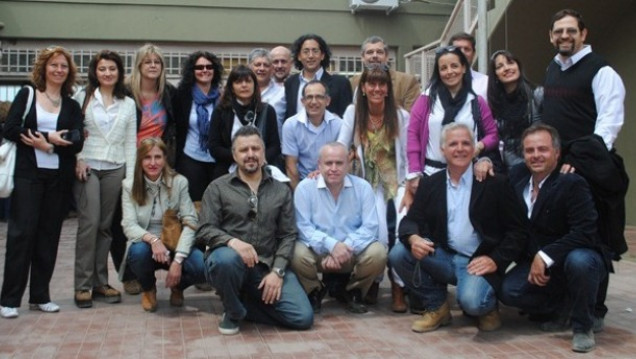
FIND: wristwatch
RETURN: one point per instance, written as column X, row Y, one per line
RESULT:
column 279, row 272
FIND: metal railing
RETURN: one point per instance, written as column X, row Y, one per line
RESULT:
column 420, row 62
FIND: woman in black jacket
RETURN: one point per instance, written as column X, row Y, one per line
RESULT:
column 196, row 98
column 241, row 106
column 514, row 102
column 44, row 171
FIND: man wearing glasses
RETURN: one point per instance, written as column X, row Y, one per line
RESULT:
column 406, row 88
column 307, row 131
column 584, row 100
column 247, row 221
column 311, row 56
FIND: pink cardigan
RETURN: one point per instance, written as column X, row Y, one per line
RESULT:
column 417, row 137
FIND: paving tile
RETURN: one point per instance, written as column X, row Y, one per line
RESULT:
column 124, row 330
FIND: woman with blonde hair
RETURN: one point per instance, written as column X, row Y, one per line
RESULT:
column 153, row 96
column 154, row 188
column 107, row 158
column 46, row 143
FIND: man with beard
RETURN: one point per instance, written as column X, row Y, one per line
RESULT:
column 247, row 221
column 584, row 100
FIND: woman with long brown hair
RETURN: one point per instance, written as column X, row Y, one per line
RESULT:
column 107, row 158
column 154, row 188
column 376, row 128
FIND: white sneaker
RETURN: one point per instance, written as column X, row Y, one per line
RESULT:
column 8, row 312
column 49, row 307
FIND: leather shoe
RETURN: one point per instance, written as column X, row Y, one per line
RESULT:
column 132, row 287
column 433, row 319
column 176, row 297
column 83, row 299
column 372, row 295
column 490, row 321
column 583, row 342
column 149, row 300
column 315, row 298
column 398, row 304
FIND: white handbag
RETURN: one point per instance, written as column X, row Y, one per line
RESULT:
column 8, row 153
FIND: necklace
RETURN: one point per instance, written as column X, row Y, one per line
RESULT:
column 55, row 103
column 375, row 122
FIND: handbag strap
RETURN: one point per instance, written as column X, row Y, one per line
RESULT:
column 28, row 104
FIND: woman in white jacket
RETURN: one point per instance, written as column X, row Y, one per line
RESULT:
column 107, row 158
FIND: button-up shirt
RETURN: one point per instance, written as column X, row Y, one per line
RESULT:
column 268, row 224
column 462, row 237
column 303, row 140
column 324, row 221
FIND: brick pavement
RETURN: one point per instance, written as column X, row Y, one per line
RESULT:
column 125, row 331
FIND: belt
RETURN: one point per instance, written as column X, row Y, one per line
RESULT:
column 436, row 164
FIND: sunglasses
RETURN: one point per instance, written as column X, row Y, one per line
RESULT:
column 445, row 49
column 253, row 202
column 202, row 67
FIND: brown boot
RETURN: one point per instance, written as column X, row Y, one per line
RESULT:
column 397, row 293
column 431, row 320
column 176, row 297
column 149, row 300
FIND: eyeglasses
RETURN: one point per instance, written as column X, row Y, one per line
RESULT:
column 314, row 51
column 202, row 67
column 253, row 202
column 445, row 49
column 571, row 31
column 314, row 97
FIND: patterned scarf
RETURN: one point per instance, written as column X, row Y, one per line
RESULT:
column 202, row 100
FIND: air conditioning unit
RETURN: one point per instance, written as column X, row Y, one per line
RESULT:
column 377, row 5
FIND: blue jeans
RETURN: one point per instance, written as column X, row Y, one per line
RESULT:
column 238, row 287
column 428, row 278
column 572, row 286
column 143, row 266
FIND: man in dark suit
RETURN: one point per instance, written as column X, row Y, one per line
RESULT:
column 458, row 231
column 311, row 56
column 563, row 262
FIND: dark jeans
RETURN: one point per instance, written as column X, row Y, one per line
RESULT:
column 38, row 208
column 576, row 281
column 143, row 266
column 238, row 287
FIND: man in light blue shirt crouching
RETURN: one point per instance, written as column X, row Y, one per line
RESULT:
column 338, row 231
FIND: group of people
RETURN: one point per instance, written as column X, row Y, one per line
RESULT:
column 282, row 177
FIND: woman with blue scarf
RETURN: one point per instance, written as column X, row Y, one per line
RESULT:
column 194, row 103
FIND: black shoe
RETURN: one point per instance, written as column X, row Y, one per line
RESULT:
column 315, row 298
column 372, row 295
column 354, row 302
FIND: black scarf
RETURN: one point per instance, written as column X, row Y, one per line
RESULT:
column 245, row 113
column 452, row 105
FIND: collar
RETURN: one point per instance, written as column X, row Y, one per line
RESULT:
column 585, row 50
column 318, row 75
column 529, row 185
column 463, row 180
column 98, row 96
column 264, row 171
column 320, row 182
column 327, row 117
